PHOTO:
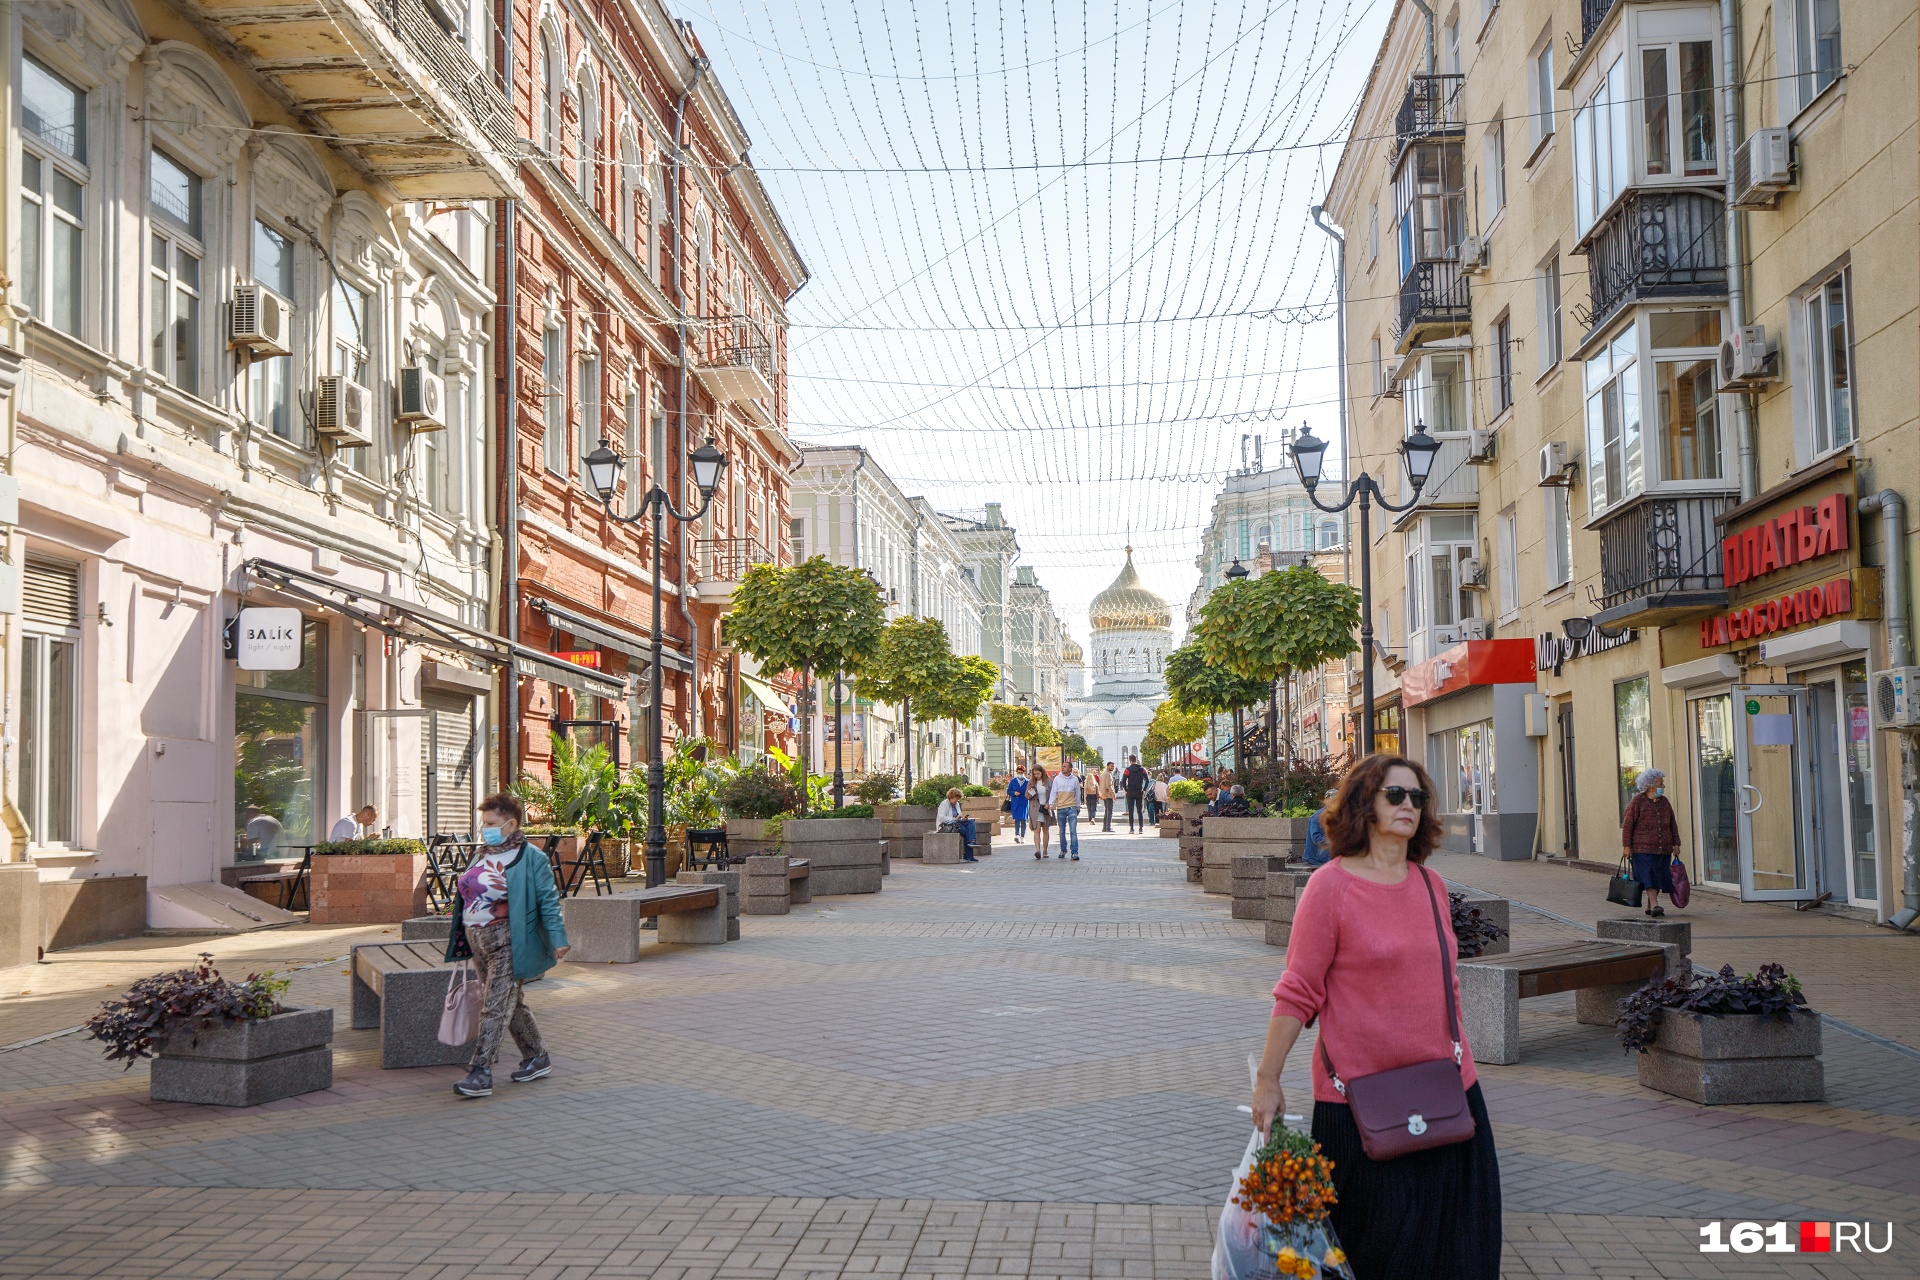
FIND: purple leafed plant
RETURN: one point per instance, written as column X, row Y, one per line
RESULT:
column 196, row 997
column 1772, row 993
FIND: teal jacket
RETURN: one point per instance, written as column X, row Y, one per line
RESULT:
column 533, row 917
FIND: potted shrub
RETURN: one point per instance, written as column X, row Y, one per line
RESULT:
column 877, row 788
column 1722, row 1038
column 368, row 881
column 751, row 800
column 215, row 1042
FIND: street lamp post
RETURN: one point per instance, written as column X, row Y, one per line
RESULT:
column 603, row 473
column 1417, row 453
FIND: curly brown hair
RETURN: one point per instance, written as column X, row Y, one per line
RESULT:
column 1349, row 819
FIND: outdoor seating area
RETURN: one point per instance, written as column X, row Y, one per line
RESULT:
column 608, row 930
column 1492, row 987
column 401, row 988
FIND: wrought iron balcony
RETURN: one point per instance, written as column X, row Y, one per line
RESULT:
column 1655, row 244
column 737, row 365
column 1660, row 560
column 720, row 564
column 1432, row 297
column 1592, row 14
column 1431, row 109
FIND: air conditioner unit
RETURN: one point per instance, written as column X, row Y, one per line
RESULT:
column 343, row 412
column 1896, row 698
column 1744, row 359
column 1473, row 574
column 1475, row 629
column 1473, row 255
column 1554, row 464
column 262, row 321
column 423, row 399
column 1762, row 168
column 1480, row 447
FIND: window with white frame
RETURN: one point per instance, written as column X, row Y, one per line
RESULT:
column 1431, row 205
column 1807, row 33
column 1540, row 91
column 1558, row 543
column 1501, row 343
column 1494, row 159
column 585, row 166
column 1601, row 147
column 1507, row 550
column 1450, row 45
column 273, row 266
column 50, row 700
column 175, row 201
column 352, row 347
column 1436, row 556
column 1686, row 351
column 1436, row 395
column 1379, row 369
column 1373, row 232
column 1546, row 298
column 53, row 181
column 587, row 389
column 553, row 378
column 1826, row 320
column 1677, row 109
column 1616, row 469
column 656, row 219
column 636, row 460
column 657, row 447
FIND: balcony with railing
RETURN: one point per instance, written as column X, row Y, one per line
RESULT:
column 1592, row 14
column 1433, row 304
column 720, row 563
column 392, row 83
column 1453, row 481
column 736, row 365
column 1660, row 560
column 1655, row 245
column 1431, row 109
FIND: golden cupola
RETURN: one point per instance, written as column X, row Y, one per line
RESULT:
column 1127, row 605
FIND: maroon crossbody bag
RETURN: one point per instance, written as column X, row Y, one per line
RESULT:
column 1418, row 1106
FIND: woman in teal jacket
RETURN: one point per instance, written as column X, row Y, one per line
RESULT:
column 508, row 923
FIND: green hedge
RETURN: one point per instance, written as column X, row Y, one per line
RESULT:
column 1187, row 791
column 846, row 811
column 931, row 791
column 390, row 848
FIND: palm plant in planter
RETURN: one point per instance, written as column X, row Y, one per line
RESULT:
column 230, row 1044
column 1723, row 1038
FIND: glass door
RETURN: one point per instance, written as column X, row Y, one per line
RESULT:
column 1775, row 843
column 1713, row 785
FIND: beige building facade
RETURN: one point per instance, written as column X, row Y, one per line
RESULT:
column 1656, row 534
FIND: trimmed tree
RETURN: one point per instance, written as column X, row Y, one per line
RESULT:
column 1075, row 747
column 966, row 682
column 911, row 661
column 1173, row 726
column 1021, row 724
column 814, row 616
column 1197, row 684
column 1268, row 627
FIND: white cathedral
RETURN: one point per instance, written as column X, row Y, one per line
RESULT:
column 1132, row 633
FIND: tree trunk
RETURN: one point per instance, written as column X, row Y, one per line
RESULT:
column 806, row 732
column 906, row 729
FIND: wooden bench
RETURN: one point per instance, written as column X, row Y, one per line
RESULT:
column 1492, row 987
column 606, row 930
column 401, row 988
column 292, row 882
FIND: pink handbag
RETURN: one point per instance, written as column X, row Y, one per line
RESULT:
column 1421, row 1105
column 460, row 1018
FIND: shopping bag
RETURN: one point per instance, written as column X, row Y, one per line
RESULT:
column 460, row 1018
column 1250, row 1246
column 1682, row 887
column 1623, row 888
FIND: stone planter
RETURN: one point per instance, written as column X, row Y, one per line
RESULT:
column 243, row 1064
column 1283, row 894
column 985, row 811
column 902, row 826
column 1735, row 1058
column 764, row 887
column 1249, row 884
column 843, row 853
column 750, row 838
column 368, row 888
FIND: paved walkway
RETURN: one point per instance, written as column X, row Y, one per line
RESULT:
column 1016, row 1069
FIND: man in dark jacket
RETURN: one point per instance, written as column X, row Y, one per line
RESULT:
column 1135, row 783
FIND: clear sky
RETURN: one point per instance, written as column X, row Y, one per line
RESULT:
column 1061, row 252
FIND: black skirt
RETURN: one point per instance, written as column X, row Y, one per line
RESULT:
column 1432, row 1215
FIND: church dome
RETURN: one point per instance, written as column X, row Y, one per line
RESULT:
column 1071, row 653
column 1127, row 604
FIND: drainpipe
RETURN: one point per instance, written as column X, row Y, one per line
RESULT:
column 508, row 411
column 1736, row 242
column 1898, row 613
column 680, row 299
column 1433, row 47
column 1340, row 340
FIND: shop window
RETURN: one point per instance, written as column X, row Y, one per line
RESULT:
column 50, row 701
column 1829, row 362
column 1858, row 734
column 53, row 180
column 1632, row 733
column 273, row 266
column 1462, row 764
column 279, row 752
column 1615, row 468
column 175, row 201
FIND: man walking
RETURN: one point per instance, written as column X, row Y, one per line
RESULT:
column 1135, row 783
column 1063, row 797
column 1103, row 783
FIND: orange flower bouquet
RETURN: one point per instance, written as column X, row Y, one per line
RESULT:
column 1275, row 1225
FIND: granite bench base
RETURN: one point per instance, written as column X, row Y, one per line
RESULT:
column 1599, row 1006
column 729, row 882
column 607, row 930
column 406, row 1004
column 946, row 847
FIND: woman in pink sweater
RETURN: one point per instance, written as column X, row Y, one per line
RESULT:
column 1365, row 960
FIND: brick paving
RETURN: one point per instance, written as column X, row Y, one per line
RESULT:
column 1016, row 1069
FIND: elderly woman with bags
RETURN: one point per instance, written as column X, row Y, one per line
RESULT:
column 1649, row 835
column 1397, row 1106
column 508, row 923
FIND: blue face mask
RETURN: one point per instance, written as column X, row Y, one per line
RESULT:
column 1658, row 792
column 493, row 836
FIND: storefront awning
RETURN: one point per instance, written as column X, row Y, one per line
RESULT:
column 607, row 637
column 409, row 620
column 1463, row 666
column 760, row 689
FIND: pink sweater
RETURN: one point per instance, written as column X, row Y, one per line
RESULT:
column 1363, row 956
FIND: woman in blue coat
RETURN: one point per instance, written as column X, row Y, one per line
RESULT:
column 1017, row 797
column 508, row 923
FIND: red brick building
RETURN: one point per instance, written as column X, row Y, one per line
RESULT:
column 647, row 285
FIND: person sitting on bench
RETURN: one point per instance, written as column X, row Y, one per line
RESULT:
column 951, row 819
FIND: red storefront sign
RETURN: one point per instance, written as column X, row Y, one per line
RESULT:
column 1797, row 608
column 1793, row 537
column 580, row 657
column 1476, row 662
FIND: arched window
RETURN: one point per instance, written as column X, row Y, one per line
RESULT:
column 703, row 261
column 1263, row 537
column 586, row 165
column 656, row 215
column 629, row 188
column 550, row 81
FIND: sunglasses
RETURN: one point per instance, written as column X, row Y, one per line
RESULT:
column 1397, row 796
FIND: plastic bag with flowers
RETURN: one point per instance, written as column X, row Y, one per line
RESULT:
column 1274, row 1225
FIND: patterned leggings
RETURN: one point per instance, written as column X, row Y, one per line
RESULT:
column 505, row 1008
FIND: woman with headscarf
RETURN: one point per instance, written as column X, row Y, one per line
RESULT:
column 1649, row 834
